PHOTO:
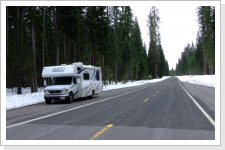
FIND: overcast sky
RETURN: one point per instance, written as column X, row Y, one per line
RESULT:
column 178, row 27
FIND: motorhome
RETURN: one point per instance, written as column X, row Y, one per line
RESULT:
column 69, row 82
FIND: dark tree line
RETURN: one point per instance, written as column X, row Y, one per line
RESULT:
column 200, row 58
column 157, row 64
column 106, row 36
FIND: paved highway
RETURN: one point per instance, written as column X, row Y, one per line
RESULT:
column 157, row 111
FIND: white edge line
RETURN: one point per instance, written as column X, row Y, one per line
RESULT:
column 202, row 110
column 10, row 126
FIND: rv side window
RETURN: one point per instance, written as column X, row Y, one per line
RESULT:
column 97, row 75
column 78, row 68
column 86, row 76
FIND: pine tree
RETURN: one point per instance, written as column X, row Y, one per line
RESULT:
column 206, row 18
column 115, row 20
column 153, row 24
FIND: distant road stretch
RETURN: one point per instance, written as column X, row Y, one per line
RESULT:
column 156, row 111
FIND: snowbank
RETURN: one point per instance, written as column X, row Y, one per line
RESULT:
column 15, row 101
column 206, row 80
column 129, row 84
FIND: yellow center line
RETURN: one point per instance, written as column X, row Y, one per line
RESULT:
column 145, row 100
column 100, row 132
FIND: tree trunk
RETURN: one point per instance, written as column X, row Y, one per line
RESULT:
column 131, row 62
column 7, row 47
column 84, row 56
column 74, row 50
column 34, row 55
column 156, row 60
column 57, row 52
column 56, row 30
column 43, row 42
column 116, row 44
column 65, row 47
column 116, row 67
column 204, row 60
column 18, row 33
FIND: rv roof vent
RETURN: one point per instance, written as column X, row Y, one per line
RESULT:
column 63, row 64
column 78, row 63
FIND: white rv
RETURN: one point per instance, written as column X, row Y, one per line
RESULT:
column 69, row 82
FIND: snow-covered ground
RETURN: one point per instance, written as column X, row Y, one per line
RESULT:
column 129, row 84
column 15, row 101
column 206, row 80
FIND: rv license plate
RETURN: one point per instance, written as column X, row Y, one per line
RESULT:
column 62, row 97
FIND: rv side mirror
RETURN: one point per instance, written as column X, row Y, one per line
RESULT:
column 45, row 83
column 78, row 80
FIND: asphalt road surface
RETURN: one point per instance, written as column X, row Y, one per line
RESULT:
column 156, row 111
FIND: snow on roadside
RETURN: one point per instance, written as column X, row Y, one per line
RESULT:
column 16, row 101
column 129, row 84
column 206, row 80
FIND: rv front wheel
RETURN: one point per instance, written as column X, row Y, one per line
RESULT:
column 70, row 98
column 48, row 101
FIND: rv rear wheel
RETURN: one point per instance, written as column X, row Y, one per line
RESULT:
column 70, row 98
column 92, row 95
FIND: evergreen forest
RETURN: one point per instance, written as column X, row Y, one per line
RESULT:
column 104, row 36
column 199, row 59
column 108, row 37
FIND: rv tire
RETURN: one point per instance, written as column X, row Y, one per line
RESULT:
column 92, row 94
column 70, row 98
column 48, row 101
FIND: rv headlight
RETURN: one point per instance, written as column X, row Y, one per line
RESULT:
column 45, row 91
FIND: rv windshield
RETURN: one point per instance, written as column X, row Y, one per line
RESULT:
column 61, row 81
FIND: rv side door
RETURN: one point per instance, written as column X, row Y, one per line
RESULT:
column 78, row 81
column 79, row 87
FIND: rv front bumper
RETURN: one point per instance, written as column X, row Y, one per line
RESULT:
column 50, row 96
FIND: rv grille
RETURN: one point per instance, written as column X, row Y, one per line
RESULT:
column 55, row 91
